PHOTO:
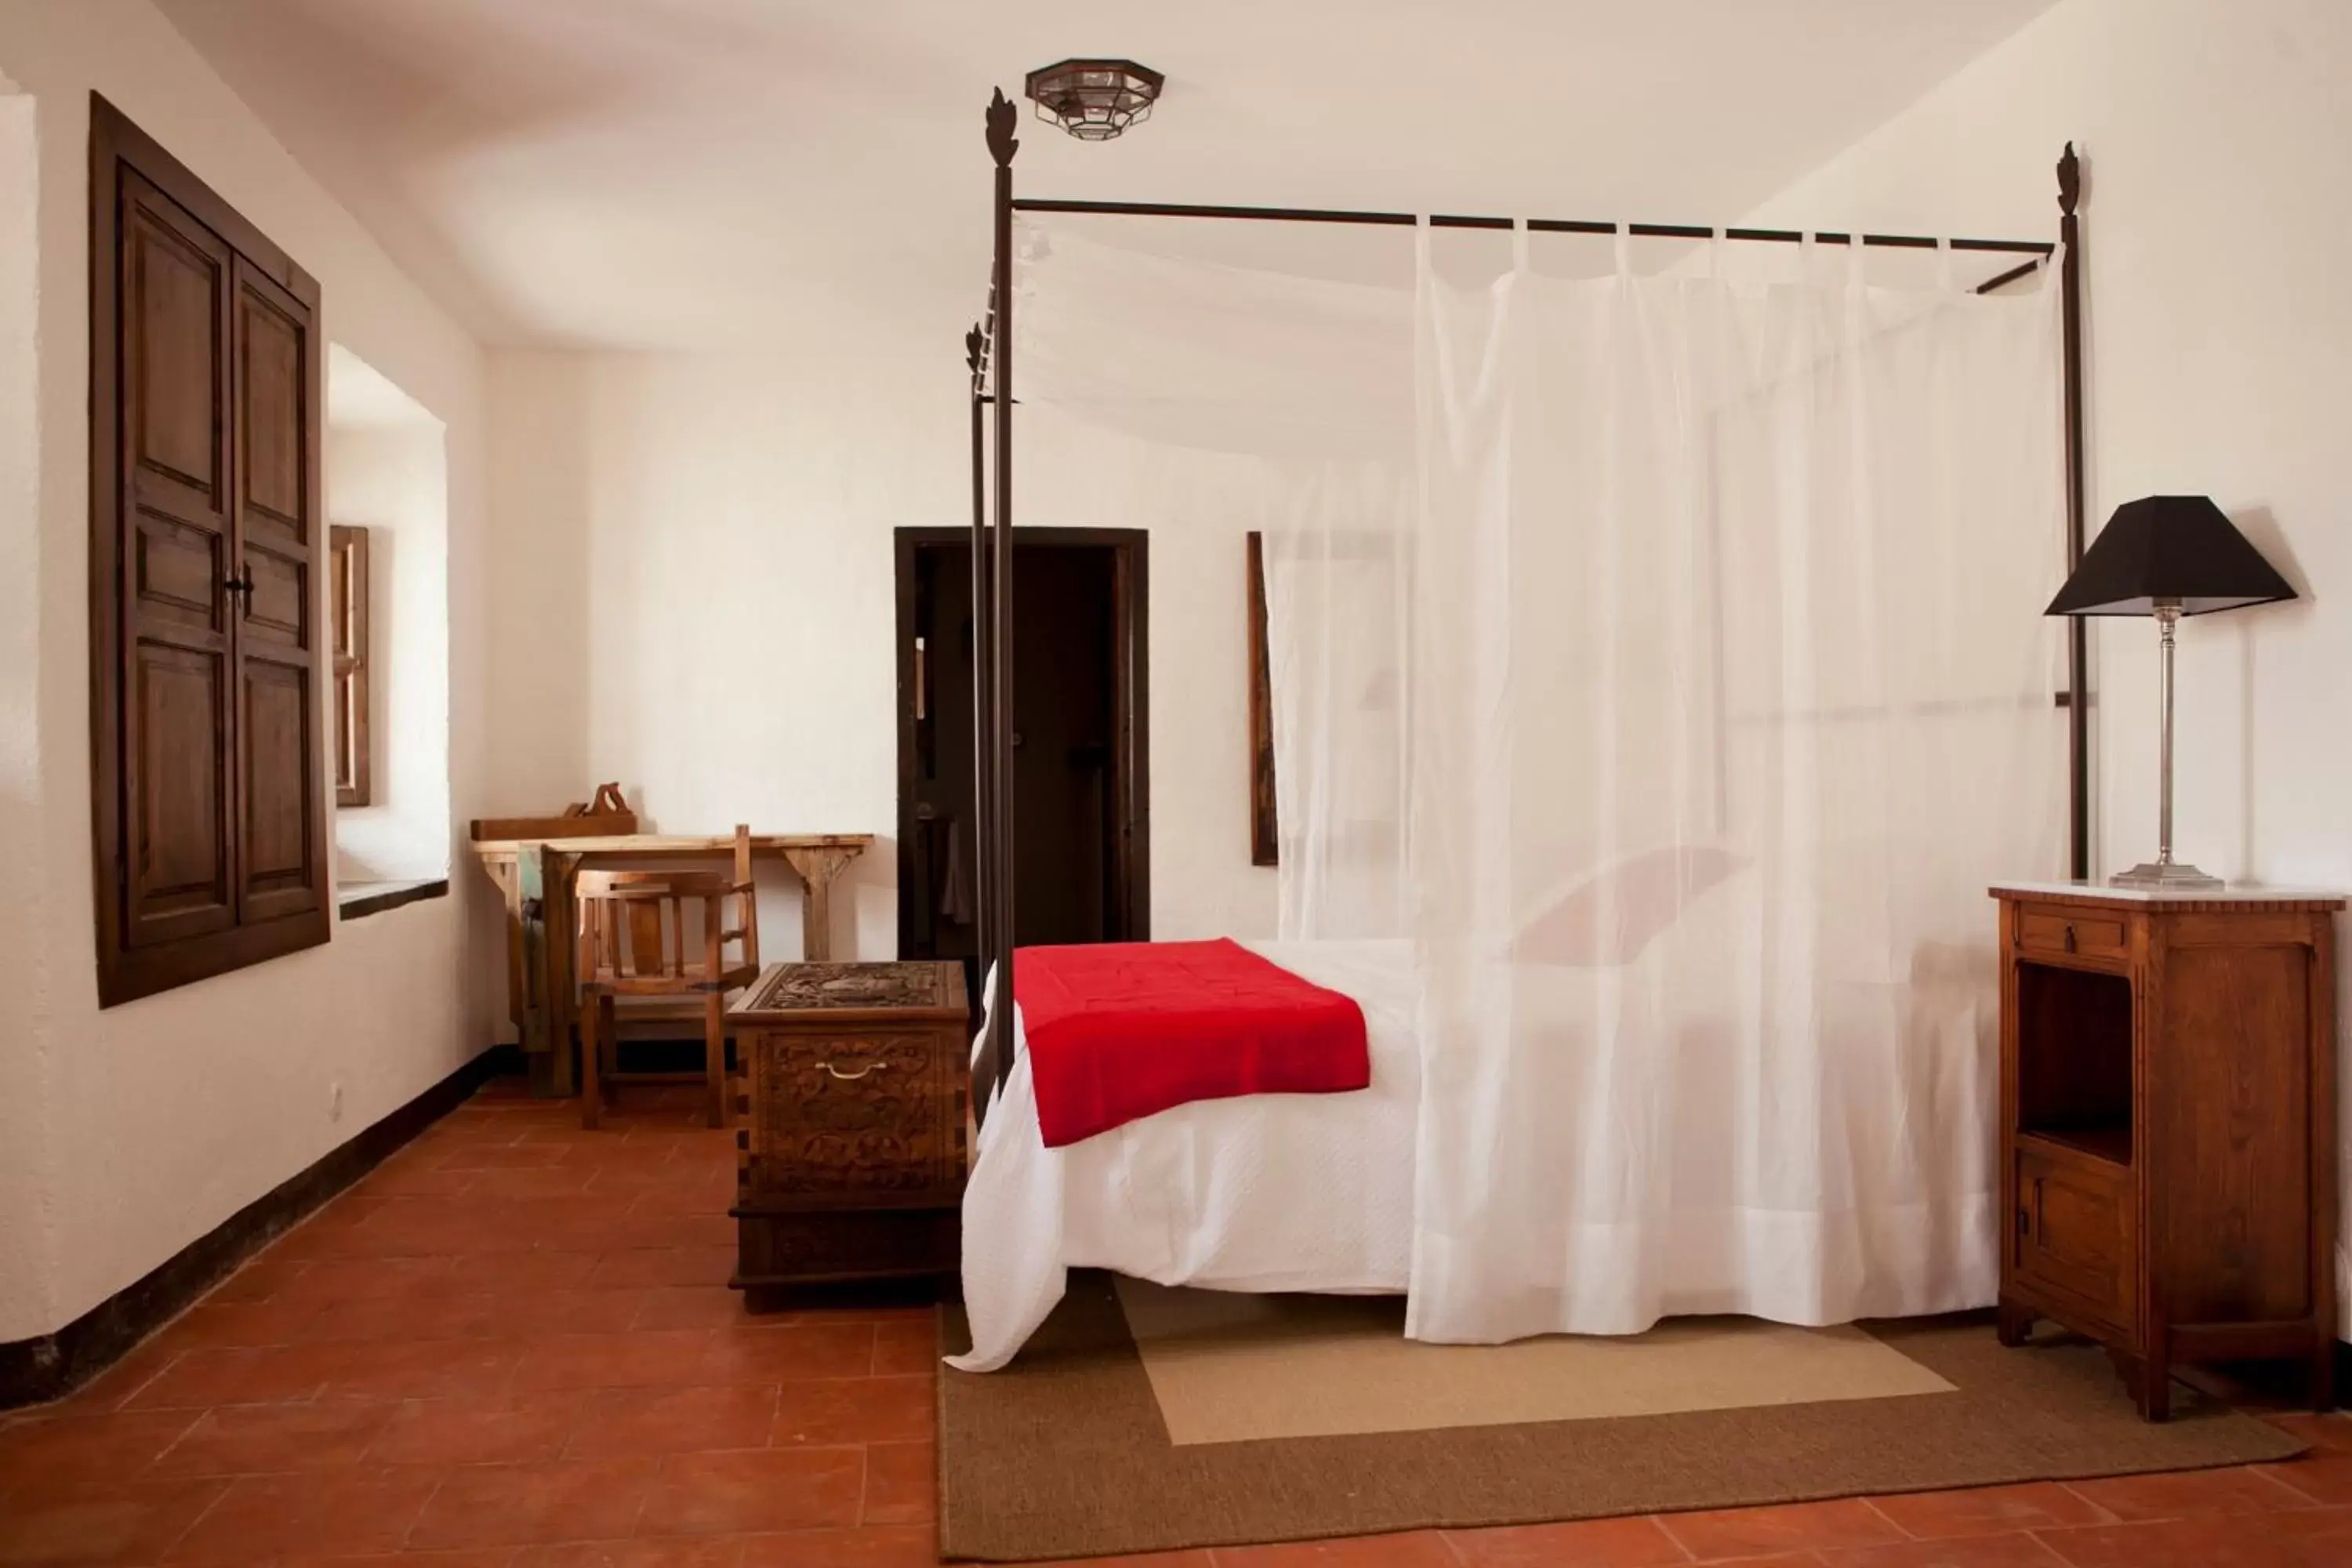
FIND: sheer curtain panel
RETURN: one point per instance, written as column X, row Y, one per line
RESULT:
column 1660, row 648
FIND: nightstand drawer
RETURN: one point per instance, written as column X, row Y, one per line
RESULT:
column 2057, row 932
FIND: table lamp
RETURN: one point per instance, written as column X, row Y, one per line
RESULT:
column 2167, row 556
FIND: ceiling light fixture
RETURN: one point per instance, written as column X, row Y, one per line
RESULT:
column 1094, row 101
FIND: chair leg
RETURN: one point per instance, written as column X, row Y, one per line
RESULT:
column 714, row 1059
column 592, row 1086
column 608, row 1040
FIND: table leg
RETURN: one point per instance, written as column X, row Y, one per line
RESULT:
column 509, row 880
column 531, row 1001
column 563, row 940
column 817, row 869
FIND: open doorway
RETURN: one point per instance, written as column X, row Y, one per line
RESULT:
column 1081, row 747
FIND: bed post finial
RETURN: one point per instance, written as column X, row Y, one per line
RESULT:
column 2070, row 181
column 1002, row 117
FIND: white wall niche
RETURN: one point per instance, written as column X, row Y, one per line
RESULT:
column 388, row 472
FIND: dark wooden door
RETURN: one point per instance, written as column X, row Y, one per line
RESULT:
column 1081, row 748
column 209, row 825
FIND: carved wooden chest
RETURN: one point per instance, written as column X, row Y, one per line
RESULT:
column 851, row 1093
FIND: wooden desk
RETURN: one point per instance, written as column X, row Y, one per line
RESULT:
column 541, row 936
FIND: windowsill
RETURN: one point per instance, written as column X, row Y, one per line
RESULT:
column 357, row 900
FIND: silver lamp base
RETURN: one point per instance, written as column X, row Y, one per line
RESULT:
column 2166, row 876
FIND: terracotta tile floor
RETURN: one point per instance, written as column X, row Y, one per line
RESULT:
column 513, row 1347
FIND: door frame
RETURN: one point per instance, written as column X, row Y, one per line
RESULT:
column 1130, row 707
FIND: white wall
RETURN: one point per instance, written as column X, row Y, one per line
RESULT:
column 388, row 472
column 125, row 1134
column 24, row 1143
column 694, row 570
column 2217, row 142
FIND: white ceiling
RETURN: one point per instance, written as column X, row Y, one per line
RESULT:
column 697, row 173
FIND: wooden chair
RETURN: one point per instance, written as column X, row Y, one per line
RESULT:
column 636, row 939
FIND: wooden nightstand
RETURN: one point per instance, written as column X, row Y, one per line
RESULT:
column 2168, row 1087
column 851, row 1090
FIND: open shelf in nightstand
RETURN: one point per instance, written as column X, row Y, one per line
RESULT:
column 2075, row 1060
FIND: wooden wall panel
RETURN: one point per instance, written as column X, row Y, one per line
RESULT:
column 180, row 865
column 281, row 735
column 270, row 395
column 2231, row 1161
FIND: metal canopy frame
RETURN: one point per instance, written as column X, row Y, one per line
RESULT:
column 989, row 359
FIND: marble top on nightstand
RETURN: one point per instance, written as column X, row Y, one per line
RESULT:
column 2234, row 893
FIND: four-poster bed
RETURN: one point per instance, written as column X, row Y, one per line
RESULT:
column 1257, row 1136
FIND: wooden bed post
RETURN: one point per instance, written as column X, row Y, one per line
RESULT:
column 2078, row 696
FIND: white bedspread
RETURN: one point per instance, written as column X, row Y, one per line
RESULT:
column 1268, row 1191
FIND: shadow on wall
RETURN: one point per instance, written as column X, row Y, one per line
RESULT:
column 2261, row 527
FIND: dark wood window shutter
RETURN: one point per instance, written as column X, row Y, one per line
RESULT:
column 347, row 628
column 209, row 814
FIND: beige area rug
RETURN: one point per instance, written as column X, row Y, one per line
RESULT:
column 1217, row 1421
column 1228, row 1368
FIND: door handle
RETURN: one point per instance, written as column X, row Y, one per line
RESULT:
column 241, row 584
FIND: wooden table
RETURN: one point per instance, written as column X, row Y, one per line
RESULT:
column 541, row 936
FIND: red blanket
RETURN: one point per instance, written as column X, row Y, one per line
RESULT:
column 1121, row 1030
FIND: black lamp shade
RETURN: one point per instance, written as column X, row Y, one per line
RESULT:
column 2170, row 549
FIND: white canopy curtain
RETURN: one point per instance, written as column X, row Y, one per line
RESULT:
column 1662, row 651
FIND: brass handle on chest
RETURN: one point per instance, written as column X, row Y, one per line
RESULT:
column 853, row 1077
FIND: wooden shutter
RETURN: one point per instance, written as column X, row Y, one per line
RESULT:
column 347, row 629
column 282, row 842
column 209, row 831
column 175, row 536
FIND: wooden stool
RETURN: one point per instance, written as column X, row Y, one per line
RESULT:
column 635, row 938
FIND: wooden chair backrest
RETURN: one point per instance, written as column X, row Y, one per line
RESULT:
column 634, row 927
